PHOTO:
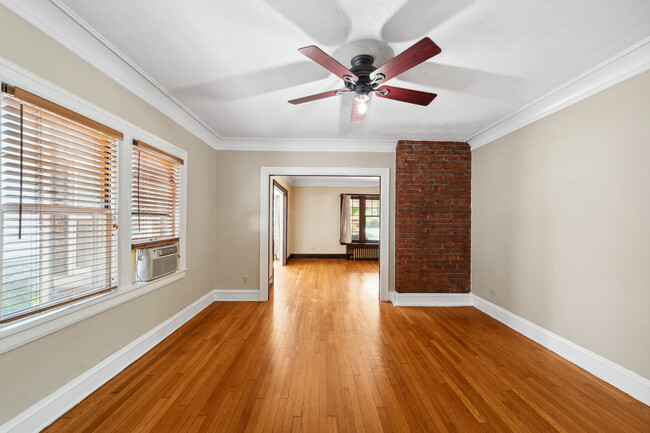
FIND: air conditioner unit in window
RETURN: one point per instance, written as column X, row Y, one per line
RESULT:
column 155, row 262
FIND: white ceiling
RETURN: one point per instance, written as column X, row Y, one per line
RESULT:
column 235, row 64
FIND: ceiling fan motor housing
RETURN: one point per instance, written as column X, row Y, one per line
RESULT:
column 362, row 68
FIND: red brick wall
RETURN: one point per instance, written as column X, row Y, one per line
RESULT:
column 433, row 217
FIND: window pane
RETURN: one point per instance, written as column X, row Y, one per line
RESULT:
column 355, row 208
column 372, row 207
column 155, row 213
column 59, row 210
column 372, row 228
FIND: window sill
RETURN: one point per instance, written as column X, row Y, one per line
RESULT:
column 20, row 332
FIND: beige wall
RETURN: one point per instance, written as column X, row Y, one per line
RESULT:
column 315, row 218
column 32, row 371
column 238, row 206
column 561, row 223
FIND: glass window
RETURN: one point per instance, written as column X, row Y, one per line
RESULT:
column 365, row 218
column 355, row 208
column 155, row 211
column 372, row 220
column 59, row 206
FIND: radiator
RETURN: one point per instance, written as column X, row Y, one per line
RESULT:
column 365, row 252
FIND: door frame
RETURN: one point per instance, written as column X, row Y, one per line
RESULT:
column 382, row 173
column 285, row 205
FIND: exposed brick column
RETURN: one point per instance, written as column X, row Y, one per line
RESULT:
column 433, row 217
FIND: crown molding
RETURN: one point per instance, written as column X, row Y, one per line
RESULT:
column 307, row 145
column 64, row 26
column 621, row 67
column 61, row 24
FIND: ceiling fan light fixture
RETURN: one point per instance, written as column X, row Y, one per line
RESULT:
column 362, row 98
column 363, row 105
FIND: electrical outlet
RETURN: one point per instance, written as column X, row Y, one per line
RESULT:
column 245, row 278
column 493, row 292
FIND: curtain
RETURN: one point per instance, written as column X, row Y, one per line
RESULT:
column 345, row 235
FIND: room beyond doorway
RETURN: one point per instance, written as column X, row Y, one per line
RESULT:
column 380, row 206
column 329, row 217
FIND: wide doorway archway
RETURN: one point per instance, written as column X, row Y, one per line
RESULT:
column 266, row 203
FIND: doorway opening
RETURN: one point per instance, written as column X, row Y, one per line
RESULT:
column 315, row 224
column 279, row 224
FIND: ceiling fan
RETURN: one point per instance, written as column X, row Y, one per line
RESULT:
column 365, row 79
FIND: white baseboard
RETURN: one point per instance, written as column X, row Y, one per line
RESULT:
column 612, row 373
column 236, row 295
column 47, row 410
column 60, row 401
column 431, row 299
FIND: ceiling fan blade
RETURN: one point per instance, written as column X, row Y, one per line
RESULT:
column 419, row 17
column 407, row 95
column 326, row 22
column 316, row 96
column 326, row 61
column 358, row 110
column 413, row 56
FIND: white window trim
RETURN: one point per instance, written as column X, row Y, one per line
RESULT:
column 23, row 331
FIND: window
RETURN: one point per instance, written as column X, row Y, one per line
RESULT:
column 58, row 206
column 155, row 211
column 365, row 218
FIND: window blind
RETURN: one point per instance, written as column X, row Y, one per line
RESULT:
column 155, row 213
column 59, row 205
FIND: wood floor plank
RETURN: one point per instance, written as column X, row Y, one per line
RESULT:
column 324, row 355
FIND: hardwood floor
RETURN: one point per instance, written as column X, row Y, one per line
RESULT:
column 324, row 355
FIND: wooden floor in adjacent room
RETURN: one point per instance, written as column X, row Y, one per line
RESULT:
column 324, row 355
